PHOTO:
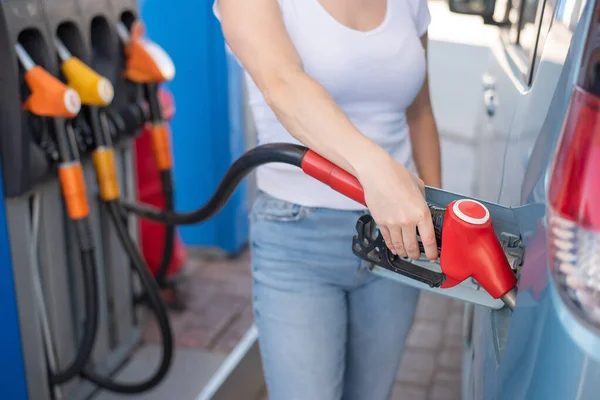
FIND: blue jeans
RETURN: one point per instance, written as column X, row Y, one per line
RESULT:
column 328, row 329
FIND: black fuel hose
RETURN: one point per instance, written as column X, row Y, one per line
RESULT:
column 90, row 287
column 76, row 203
column 155, row 303
column 285, row 153
column 166, row 178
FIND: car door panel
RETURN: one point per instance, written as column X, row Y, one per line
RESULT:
column 493, row 129
column 530, row 117
column 530, row 146
column 537, row 347
column 530, row 353
column 509, row 70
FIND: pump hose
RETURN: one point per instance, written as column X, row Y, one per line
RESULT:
column 168, row 193
column 269, row 153
column 90, row 281
column 156, row 304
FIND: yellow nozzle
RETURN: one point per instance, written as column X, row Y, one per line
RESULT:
column 94, row 89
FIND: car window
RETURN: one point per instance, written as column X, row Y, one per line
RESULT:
column 564, row 14
column 568, row 13
column 528, row 27
column 525, row 17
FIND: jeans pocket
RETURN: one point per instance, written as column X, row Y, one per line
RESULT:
column 267, row 208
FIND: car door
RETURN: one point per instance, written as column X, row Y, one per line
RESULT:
column 521, row 95
column 505, row 86
column 536, row 128
column 539, row 99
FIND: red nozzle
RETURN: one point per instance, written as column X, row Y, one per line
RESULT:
column 472, row 250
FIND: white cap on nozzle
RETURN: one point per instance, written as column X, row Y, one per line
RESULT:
column 62, row 50
column 471, row 211
column 123, row 33
column 24, row 57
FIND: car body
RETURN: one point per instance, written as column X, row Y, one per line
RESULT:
column 546, row 348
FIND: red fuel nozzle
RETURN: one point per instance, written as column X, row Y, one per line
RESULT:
column 470, row 248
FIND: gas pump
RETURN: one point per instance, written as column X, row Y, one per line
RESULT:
column 51, row 99
column 77, row 309
column 96, row 93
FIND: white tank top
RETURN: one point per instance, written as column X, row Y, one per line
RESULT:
column 373, row 76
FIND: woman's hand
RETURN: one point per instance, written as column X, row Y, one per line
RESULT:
column 396, row 199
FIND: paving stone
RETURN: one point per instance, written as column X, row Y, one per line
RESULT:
column 232, row 334
column 447, row 376
column 432, row 306
column 450, row 359
column 403, row 391
column 444, row 391
column 426, row 334
column 453, row 341
column 416, row 367
column 457, row 305
column 152, row 333
column 454, row 323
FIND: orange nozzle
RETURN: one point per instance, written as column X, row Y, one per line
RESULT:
column 106, row 173
column 159, row 135
column 49, row 96
column 73, row 187
column 146, row 61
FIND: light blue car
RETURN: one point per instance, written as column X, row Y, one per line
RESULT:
column 539, row 134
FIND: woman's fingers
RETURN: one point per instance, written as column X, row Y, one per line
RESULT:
column 409, row 235
column 420, row 184
column 397, row 241
column 387, row 238
column 427, row 234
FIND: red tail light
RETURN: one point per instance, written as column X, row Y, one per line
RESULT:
column 574, row 200
column 575, row 185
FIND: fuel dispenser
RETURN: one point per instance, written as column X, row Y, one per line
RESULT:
column 69, row 117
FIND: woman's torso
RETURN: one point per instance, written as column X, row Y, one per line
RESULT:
column 372, row 75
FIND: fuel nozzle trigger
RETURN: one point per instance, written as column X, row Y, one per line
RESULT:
column 470, row 250
column 369, row 245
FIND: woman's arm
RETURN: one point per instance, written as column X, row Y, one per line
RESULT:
column 256, row 34
column 424, row 135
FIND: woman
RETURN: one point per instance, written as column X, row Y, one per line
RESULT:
column 347, row 78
